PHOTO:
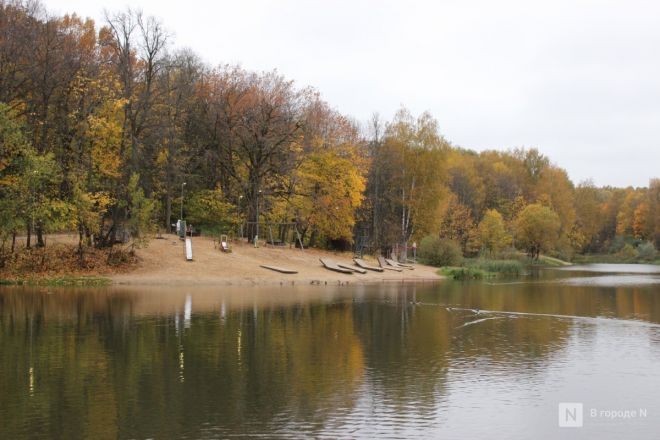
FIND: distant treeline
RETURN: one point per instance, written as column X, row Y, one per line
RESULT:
column 101, row 127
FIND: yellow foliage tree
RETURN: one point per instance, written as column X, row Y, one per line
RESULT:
column 626, row 216
column 457, row 224
column 105, row 135
column 589, row 213
column 642, row 221
column 412, row 159
column 329, row 193
column 537, row 229
column 492, row 232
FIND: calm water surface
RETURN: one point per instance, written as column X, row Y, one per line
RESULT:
column 447, row 360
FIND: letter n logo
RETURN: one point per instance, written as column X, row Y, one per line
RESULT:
column 570, row 415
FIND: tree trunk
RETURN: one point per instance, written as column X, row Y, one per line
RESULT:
column 88, row 238
column 80, row 242
column 28, row 240
column 251, row 218
column 312, row 238
column 40, row 237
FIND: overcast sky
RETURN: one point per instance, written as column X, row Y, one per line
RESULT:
column 579, row 80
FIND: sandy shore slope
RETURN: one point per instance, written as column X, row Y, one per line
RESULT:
column 163, row 263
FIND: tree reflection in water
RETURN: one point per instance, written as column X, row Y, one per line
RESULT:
column 138, row 363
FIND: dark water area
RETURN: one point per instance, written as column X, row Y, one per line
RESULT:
column 444, row 360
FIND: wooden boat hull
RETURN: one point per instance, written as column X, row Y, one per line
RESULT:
column 364, row 265
column 279, row 269
column 331, row 265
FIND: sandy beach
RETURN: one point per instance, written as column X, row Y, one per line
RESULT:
column 163, row 263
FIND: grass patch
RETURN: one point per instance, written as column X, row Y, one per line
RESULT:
column 504, row 267
column 481, row 268
column 65, row 281
column 60, row 264
column 465, row 273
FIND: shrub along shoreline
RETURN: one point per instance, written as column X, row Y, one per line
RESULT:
column 484, row 268
column 481, row 268
column 499, row 258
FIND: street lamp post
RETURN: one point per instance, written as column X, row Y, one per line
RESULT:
column 240, row 211
column 182, row 185
column 33, row 200
column 256, row 237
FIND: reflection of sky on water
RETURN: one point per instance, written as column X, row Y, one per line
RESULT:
column 612, row 268
column 604, row 366
column 612, row 280
column 499, row 390
column 606, row 275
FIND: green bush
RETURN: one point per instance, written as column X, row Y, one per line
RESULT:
column 209, row 211
column 507, row 267
column 617, row 244
column 627, row 252
column 465, row 273
column 440, row 251
column 646, row 251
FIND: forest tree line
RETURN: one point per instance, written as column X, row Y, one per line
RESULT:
column 103, row 128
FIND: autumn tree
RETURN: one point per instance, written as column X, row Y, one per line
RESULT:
column 466, row 181
column 492, row 232
column 502, row 181
column 326, row 189
column 556, row 188
column 110, row 124
column 409, row 161
column 653, row 197
column 176, row 109
column 625, row 221
column 13, row 151
column 29, row 184
column 328, row 196
column 537, row 229
column 141, row 212
column 589, row 213
column 534, row 163
column 18, row 28
column 134, row 46
column 208, row 209
column 457, row 224
column 260, row 119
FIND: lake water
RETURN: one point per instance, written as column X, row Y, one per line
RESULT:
column 445, row 360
